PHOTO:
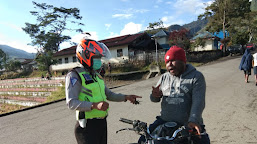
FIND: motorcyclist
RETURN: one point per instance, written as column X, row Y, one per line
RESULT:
column 87, row 94
column 181, row 91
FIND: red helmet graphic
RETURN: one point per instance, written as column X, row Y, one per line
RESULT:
column 88, row 48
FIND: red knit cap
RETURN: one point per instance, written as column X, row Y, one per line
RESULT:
column 175, row 53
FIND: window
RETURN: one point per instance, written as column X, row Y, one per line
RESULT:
column 66, row 60
column 119, row 53
column 60, row 61
column 74, row 59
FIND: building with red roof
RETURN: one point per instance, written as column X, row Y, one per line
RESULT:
column 122, row 48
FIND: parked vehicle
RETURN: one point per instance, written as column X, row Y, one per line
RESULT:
column 235, row 49
column 167, row 133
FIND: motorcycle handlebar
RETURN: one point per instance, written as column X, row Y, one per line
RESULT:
column 126, row 121
column 136, row 124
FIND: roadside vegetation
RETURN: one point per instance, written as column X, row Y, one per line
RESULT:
column 5, row 107
column 57, row 95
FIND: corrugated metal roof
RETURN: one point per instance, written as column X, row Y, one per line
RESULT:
column 67, row 51
column 121, row 40
column 112, row 42
column 204, row 35
column 161, row 33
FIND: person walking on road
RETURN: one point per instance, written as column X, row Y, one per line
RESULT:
column 181, row 91
column 255, row 67
column 246, row 64
column 109, row 67
column 87, row 94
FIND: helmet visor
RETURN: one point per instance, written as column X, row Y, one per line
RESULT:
column 106, row 54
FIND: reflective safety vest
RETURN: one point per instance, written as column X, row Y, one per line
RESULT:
column 92, row 90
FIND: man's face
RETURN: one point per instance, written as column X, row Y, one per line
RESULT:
column 175, row 67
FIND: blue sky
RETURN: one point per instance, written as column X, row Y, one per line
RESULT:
column 102, row 18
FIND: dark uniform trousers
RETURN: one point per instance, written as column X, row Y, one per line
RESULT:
column 95, row 132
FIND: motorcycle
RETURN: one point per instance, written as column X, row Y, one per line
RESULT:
column 167, row 133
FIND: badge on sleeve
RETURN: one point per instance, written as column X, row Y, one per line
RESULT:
column 73, row 80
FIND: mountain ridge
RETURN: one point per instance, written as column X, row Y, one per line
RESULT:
column 17, row 53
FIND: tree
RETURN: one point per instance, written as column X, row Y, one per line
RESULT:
column 224, row 14
column 3, row 59
column 44, row 60
column 155, row 27
column 249, row 25
column 13, row 65
column 180, row 38
column 48, row 33
column 199, row 42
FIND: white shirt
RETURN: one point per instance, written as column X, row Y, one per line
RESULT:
column 255, row 59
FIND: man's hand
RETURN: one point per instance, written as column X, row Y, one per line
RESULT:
column 195, row 126
column 132, row 98
column 156, row 91
column 103, row 106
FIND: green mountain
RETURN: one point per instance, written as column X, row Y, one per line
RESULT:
column 16, row 53
column 196, row 26
column 193, row 27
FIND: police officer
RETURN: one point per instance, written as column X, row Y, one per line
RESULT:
column 87, row 94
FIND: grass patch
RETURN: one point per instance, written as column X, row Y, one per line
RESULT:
column 57, row 95
column 5, row 108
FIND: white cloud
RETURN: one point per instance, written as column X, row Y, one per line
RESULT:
column 108, row 26
column 159, row 1
column 126, row 16
column 128, row 13
column 169, row 2
column 184, row 8
column 191, row 6
column 12, row 26
column 76, row 39
column 156, row 6
column 170, row 20
column 132, row 10
column 131, row 28
column 112, row 34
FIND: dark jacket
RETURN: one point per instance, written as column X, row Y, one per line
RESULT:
column 246, row 61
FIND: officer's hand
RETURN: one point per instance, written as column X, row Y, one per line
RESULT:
column 100, row 105
column 132, row 98
column 156, row 91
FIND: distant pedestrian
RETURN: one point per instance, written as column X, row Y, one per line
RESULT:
column 47, row 76
column 255, row 67
column 110, row 67
column 246, row 64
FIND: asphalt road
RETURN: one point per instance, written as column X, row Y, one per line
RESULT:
column 230, row 115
